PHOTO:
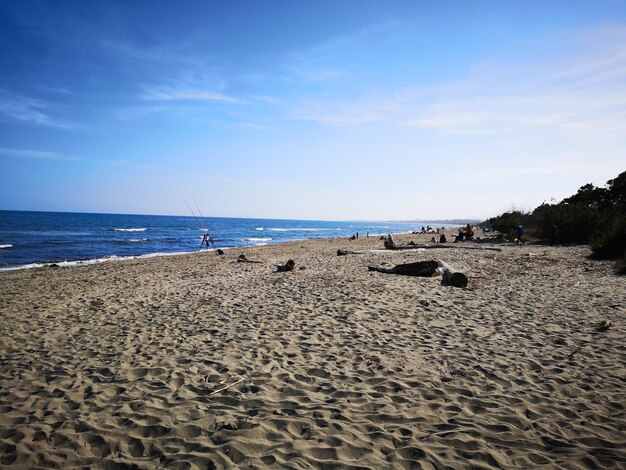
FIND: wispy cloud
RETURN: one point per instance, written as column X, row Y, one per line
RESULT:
column 312, row 74
column 18, row 108
column 338, row 55
column 255, row 126
column 584, row 93
column 338, row 113
column 189, row 95
column 123, row 163
column 265, row 99
column 35, row 154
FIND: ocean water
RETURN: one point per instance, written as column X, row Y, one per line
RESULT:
column 31, row 239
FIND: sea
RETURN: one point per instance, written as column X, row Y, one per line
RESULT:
column 36, row 239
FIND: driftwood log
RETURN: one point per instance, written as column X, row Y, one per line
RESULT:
column 390, row 243
column 451, row 277
column 348, row 252
column 242, row 259
column 289, row 266
column 420, row 268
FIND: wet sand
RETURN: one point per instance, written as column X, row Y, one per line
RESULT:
column 198, row 361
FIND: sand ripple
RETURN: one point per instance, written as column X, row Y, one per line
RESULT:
column 202, row 362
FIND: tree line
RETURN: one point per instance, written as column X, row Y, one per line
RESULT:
column 594, row 216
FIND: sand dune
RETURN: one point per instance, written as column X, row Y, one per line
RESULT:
column 198, row 361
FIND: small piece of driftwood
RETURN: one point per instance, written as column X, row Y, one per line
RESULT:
column 452, row 277
column 288, row 266
column 420, row 268
column 348, row 252
column 214, row 392
column 242, row 259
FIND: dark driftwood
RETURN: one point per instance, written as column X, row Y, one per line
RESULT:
column 420, row 268
column 451, row 277
column 348, row 252
column 242, row 259
column 289, row 266
column 390, row 243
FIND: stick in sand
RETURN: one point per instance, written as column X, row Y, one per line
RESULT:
column 226, row 387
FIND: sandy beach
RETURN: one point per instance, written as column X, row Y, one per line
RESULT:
column 198, row 361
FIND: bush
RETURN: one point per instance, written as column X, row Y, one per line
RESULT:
column 507, row 223
column 565, row 223
column 610, row 242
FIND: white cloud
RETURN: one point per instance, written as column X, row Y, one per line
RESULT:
column 579, row 94
column 28, row 110
column 255, row 125
column 166, row 94
column 127, row 164
column 34, row 154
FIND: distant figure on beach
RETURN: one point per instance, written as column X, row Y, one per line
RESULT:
column 205, row 239
column 469, row 233
column 520, row 232
column 442, row 238
column 555, row 234
column 368, row 234
column 357, row 235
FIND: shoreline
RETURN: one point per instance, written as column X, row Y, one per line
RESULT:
column 199, row 361
column 115, row 258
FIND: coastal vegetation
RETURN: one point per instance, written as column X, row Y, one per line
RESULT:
column 594, row 216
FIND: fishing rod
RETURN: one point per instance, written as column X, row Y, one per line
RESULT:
column 205, row 224
column 196, row 218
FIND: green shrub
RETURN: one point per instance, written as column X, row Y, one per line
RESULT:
column 609, row 240
column 507, row 223
column 565, row 223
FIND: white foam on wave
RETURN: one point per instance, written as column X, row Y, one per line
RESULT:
column 6, row 246
column 89, row 262
column 261, row 239
column 294, row 229
column 136, row 240
column 130, row 229
column 260, row 229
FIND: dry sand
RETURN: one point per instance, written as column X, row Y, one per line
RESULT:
column 198, row 361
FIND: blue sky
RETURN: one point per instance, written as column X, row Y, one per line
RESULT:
column 311, row 110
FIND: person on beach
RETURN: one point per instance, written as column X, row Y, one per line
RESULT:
column 520, row 232
column 554, row 237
